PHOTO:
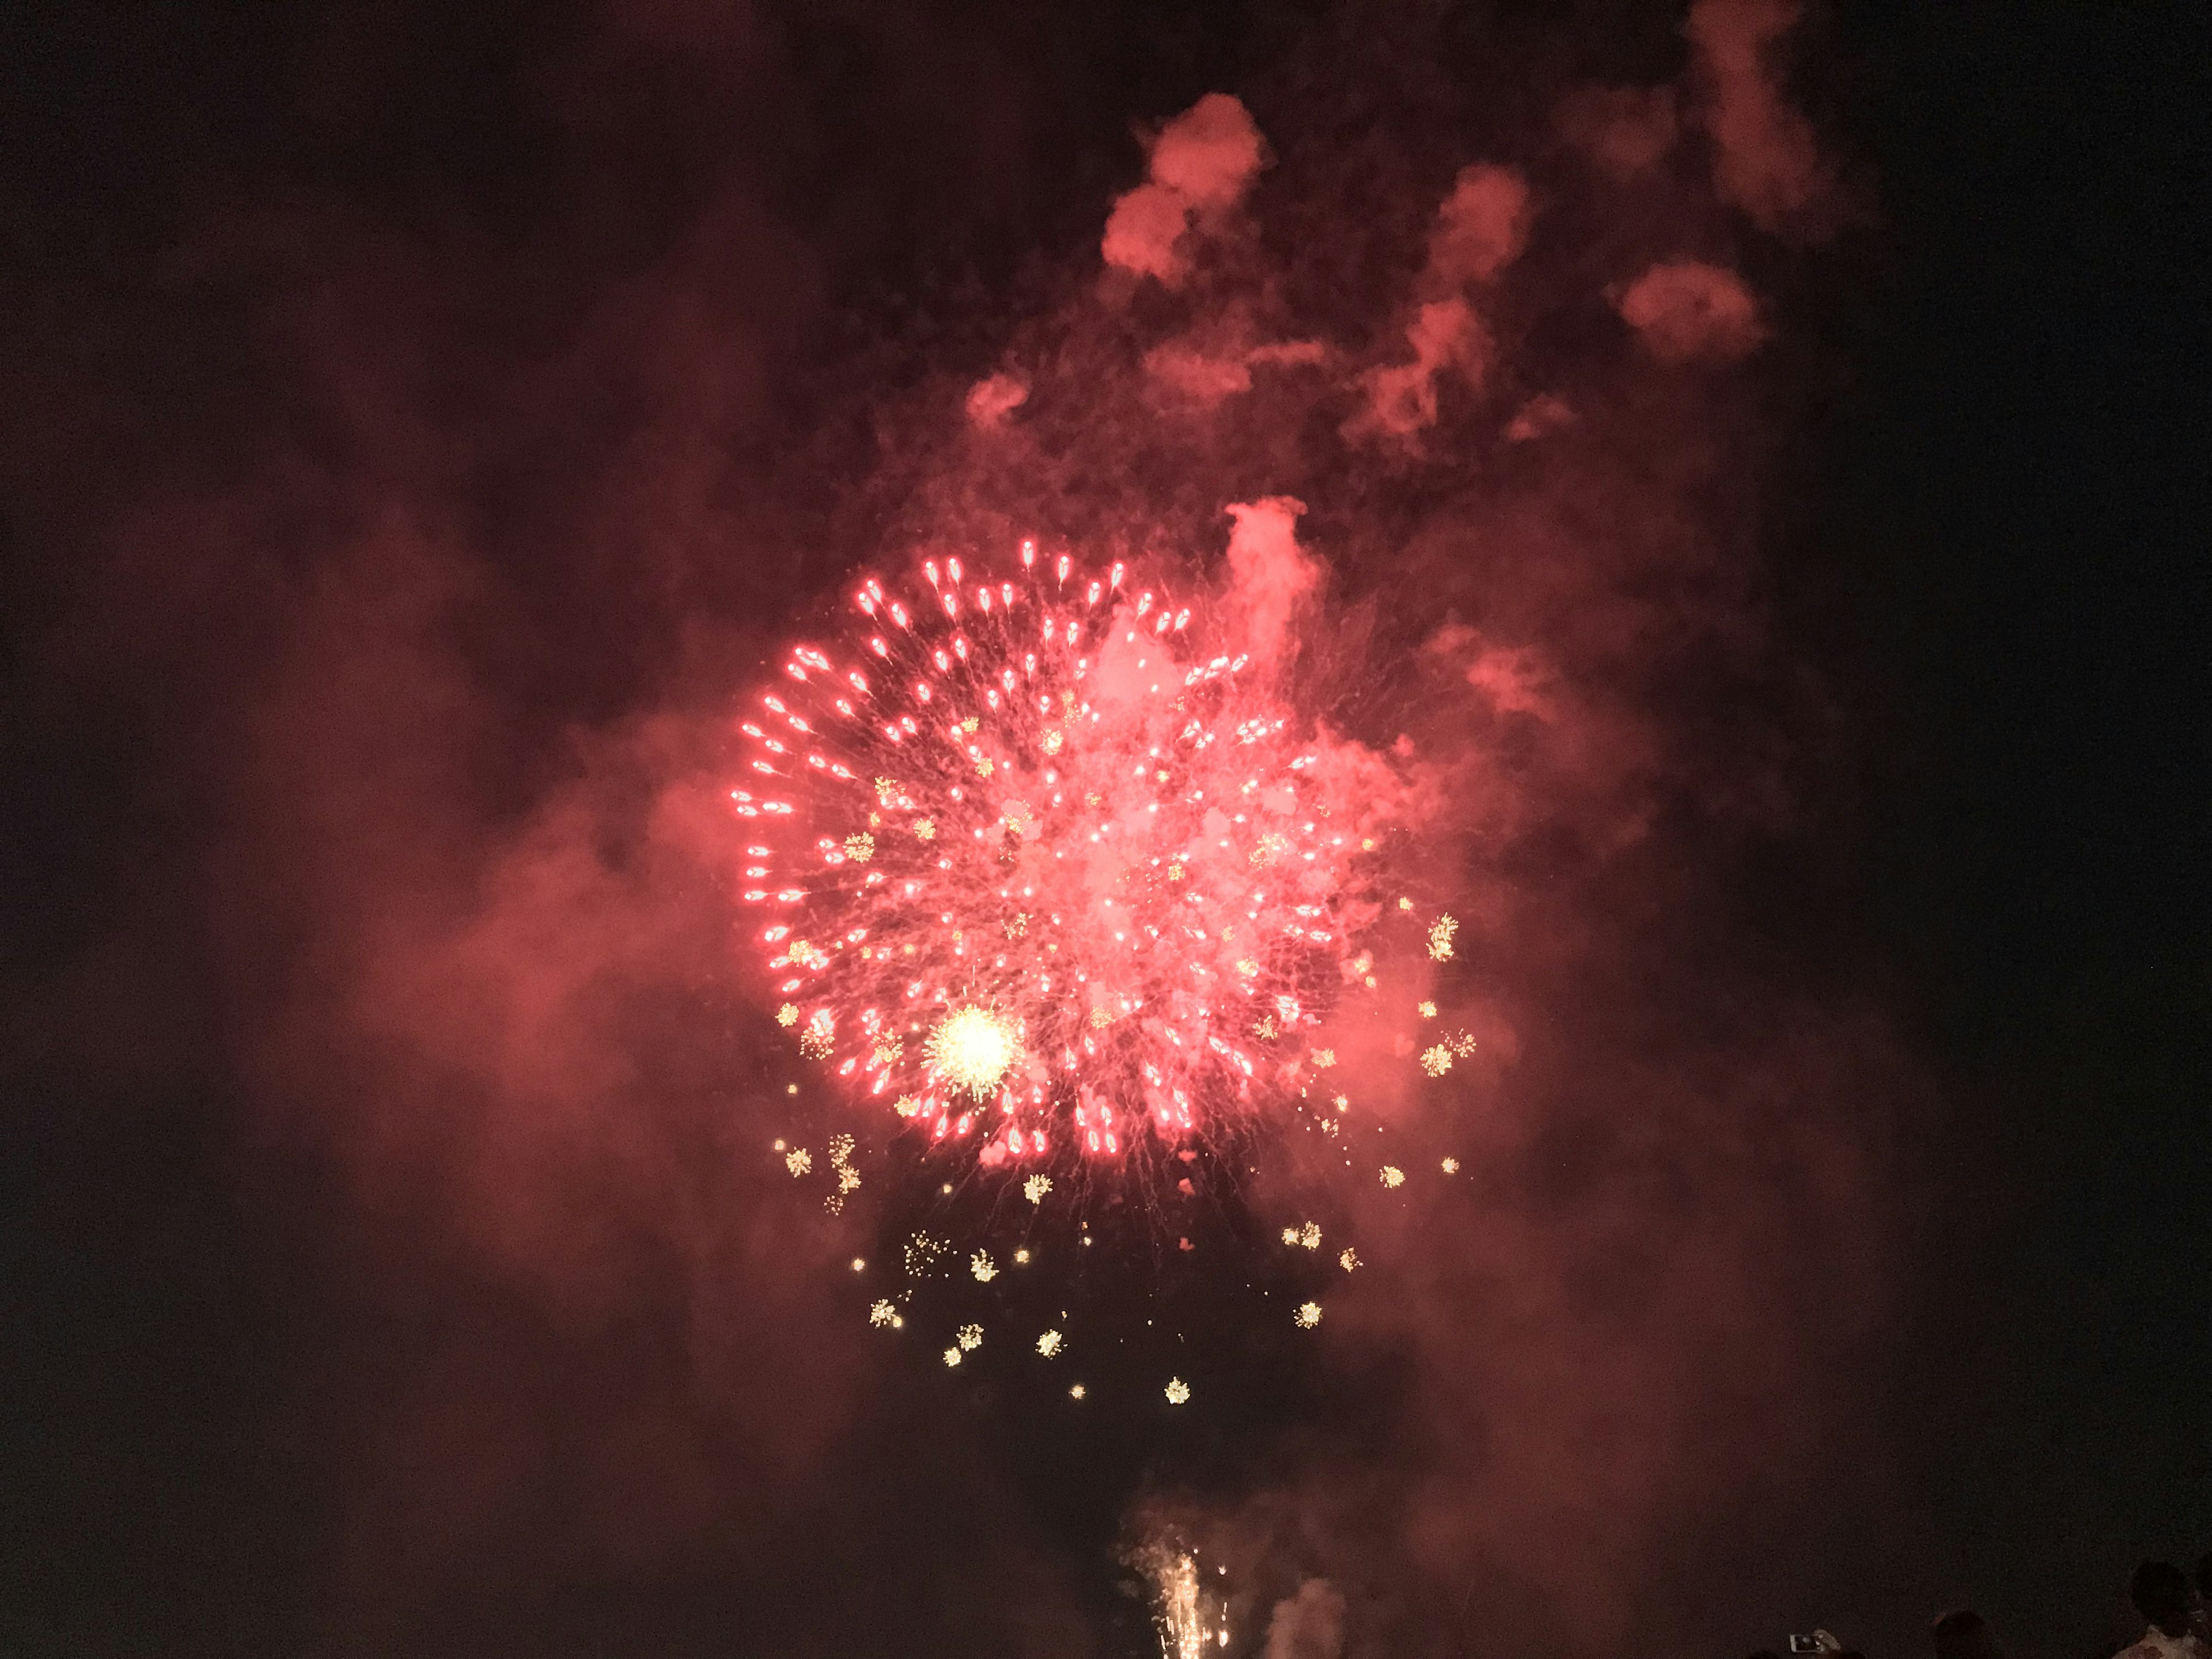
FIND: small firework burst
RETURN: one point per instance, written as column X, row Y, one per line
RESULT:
column 798, row 1160
column 1036, row 1187
column 983, row 1266
column 1440, row 938
column 882, row 1312
column 861, row 848
column 1075, row 1391
column 952, row 1357
column 1393, row 1176
column 925, row 829
column 1348, row 1259
column 1048, row 1344
column 972, row 1048
column 1437, row 1060
column 1307, row 1316
column 1178, row 1391
column 787, row 1015
column 921, row 1252
column 969, row 1337
column 1428, row 1010
column 1452, row 1166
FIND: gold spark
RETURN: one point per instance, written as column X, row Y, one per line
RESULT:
column 952, row 1357
column 882, row 1314
column 887, row 791
column 983, row 766
column 1349, row 1259
column 1307, row 1315
column 1393, row 1176
column 1436, row 1061
column 889, row 1048
column 1428, row 1010
column 972, row 1048
column 1324, row 1058
column 1076, row 1393
column 1290, row 1236
column 1178, row 1391
column 787, row 1015
column 1049, row 1344
column 1035, row 1188
column 1019, row 925
column 1051, row 742
column 1440, row 938
column 1174, row 872
column 921, row 1253
column 1462, row 1044
column 861, row 848
column 1015, row 815
column 1452, row 1166
column 906, row 1105
column 1405, row 904
column 1247, row 966
column 926, row 828
column 799, row 1161
column 1021, row 1258
column 1264, row 1030
column 1100, row 1019
column 983, row 1266
column 969, row 1337
column 969, row 725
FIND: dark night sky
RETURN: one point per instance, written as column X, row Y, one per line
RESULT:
column 1988, row 540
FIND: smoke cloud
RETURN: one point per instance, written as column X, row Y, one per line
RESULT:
column 414, row 657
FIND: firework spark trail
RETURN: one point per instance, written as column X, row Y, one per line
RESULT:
column 1049, row 866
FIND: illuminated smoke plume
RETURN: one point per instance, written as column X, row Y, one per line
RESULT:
column 1433, row 436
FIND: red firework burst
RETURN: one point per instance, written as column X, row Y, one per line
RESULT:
column 1050, row 866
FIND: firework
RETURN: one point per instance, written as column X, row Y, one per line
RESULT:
column 1047, row 867
column 1054, row 876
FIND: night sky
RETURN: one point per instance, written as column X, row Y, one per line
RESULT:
column 420, row 421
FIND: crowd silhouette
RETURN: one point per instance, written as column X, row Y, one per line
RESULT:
column 2176, row 1618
